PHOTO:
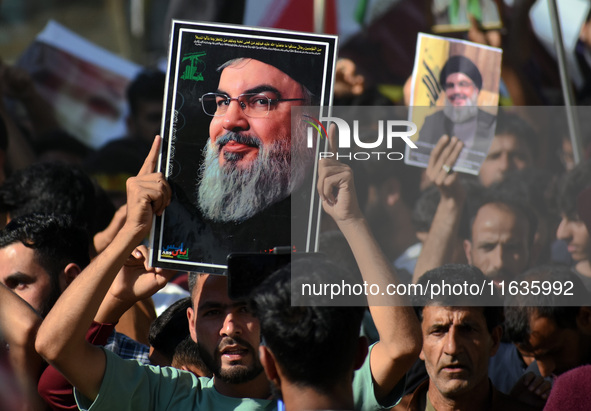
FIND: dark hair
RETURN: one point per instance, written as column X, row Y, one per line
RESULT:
column 58, row 189
column 121, row 156
column 192, row 281
column 61, row 140
column 409, row 177
column 504, row 199
column 170, row 328
column 572, row 183
column 426, row 207
column 290, row 331
column 492, row 305
column 536, row 188
column 146, row 86
column 514, row 125
column 531, row 186
column 55, row 238
column 562, row 309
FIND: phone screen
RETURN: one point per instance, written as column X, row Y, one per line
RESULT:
column 247, row 270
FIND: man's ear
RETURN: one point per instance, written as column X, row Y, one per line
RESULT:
column 191, row 316
column 496, row 335
column 468, row 250
column 584, row 320
column 71, row 272
column 362, row 350
column 269, row 364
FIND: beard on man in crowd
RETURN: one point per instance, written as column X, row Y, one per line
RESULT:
column 237, row 373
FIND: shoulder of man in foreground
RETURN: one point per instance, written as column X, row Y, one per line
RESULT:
column 129, row 385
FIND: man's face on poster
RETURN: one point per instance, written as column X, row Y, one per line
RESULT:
column 461, row 97
column 460, row 90
column 247, row 164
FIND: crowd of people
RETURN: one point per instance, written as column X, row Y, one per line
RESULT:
column 87, row 322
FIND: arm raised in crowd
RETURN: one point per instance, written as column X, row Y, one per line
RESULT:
column 438, row 249
column 103, row 238
column 130, row 286
column 122, row 294
column 61, row 337
column 395, row 320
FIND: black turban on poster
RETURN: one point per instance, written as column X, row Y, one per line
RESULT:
column 304, row 68
column 461, row 64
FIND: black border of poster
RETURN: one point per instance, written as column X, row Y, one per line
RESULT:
column 176, row 242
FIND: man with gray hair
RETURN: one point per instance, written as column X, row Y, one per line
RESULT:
column 460, row 334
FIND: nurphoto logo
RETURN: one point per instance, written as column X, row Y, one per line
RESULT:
column 387, row 131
